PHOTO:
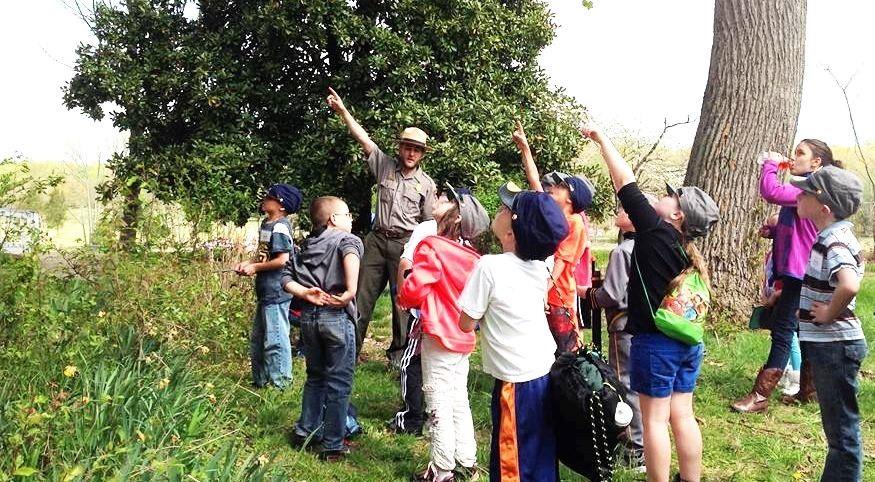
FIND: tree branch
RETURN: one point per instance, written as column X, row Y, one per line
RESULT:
column 665, row 128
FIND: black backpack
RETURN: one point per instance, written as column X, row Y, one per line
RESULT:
column 586, row 435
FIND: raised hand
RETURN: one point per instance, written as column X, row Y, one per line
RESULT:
column 519, row 137
column 590, row 131
column 335, row 102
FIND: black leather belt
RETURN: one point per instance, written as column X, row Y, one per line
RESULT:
column 393, row 233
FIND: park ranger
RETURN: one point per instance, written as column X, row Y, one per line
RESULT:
column 404, row 199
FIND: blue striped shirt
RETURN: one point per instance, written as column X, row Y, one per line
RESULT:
column 835, row 249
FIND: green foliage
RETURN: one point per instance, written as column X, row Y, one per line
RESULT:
column 18, row 185
column 223, row 104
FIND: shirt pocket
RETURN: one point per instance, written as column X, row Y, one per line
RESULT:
column 411, row 203
column 387, row 190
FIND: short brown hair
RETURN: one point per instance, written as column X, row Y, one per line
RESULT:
column 321, row 210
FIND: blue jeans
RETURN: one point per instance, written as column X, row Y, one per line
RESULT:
column 329, row 342
column 270, row 351
column 785, row 324
column 834, row 368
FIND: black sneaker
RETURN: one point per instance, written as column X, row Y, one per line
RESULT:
column 303, row 442
column 633, row 460
column 392, row 426
column 332, row 456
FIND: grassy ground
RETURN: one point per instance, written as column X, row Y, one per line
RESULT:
column 161, row 389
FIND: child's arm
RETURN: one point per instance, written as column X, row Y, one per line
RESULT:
column 426, row 271
column 845, row 291
column 312, row 295
column 771, row 189
column 519, row 138
column 620, row 171
column 357, row 131
column 351, row 264
column 249, row 268
column 466, row 323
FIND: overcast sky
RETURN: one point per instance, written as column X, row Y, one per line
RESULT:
column 632, row 62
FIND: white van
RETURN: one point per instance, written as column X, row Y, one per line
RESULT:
column 17, row 229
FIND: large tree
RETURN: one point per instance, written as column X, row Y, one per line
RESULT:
column 751, row 104
column 256, row 75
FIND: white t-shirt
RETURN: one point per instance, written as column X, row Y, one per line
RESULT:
column 420, row 232
column 509, row 295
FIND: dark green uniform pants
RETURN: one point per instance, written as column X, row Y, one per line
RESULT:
column 379, row 265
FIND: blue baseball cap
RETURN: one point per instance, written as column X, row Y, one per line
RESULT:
column 538, row 223
column 580, row 188
column 287, row 195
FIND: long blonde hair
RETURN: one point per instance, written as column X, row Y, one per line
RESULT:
column 697, row 263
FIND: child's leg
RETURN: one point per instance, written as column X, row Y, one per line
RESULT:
column 795, row 362
column 466, row 445
column 437, row 387
column 835, row 366
column 618, row 355
column 410, row 418
column 277, row 346
column 687, row 436
column 256, row 348
column 523, row 438
column 313, row 398
column 563, row 326
column 656, row 413
column 337, row 334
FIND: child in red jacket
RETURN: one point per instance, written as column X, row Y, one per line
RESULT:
column 441, row 265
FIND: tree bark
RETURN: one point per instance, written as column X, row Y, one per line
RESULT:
column 751, row 104
column 130, row 216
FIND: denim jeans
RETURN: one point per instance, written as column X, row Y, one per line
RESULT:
column 270, row 352
column 329, row 342
column 834, row 368
column 784, row 322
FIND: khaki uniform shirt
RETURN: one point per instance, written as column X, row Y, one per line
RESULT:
column 402, row 202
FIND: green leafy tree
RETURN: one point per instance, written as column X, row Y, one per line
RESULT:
column 245, row 82
column 140, row 65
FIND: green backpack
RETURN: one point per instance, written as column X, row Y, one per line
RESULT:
column 682, row 313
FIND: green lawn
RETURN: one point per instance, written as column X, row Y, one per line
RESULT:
column 148, row 403
column 784, row 444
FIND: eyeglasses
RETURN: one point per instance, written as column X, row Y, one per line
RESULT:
column 346, row 214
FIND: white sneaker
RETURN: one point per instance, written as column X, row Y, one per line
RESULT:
column 789, row 383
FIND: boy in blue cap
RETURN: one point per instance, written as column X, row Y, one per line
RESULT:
column 572, row 194
column 270, row 352
column 505, row 295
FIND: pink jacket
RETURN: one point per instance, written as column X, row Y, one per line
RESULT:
column 440, row 269
column 793, row 236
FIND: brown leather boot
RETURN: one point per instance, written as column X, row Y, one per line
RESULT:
column 807, row 392
column 766, row 381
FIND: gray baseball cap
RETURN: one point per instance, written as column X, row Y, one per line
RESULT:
column 700, row 210
column 837, row 188
column 475, row 219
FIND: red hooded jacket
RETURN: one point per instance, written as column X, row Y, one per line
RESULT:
column 440, row 269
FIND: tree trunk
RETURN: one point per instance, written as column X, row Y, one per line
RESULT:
column 751, row 104
column 130, row 216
